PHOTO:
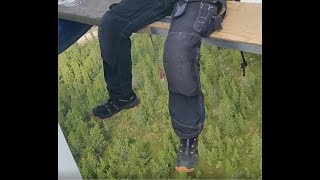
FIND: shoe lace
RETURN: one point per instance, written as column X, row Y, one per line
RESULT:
column 188, row 145
column 110, row 103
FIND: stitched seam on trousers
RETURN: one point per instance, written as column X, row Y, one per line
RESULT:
column 198, row 19
column 186, row 134
column 183, row 125
column 200, row 127
column 202, row 103
column 192, row 34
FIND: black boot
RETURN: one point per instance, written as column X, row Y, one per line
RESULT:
column 113, row 106
column 187, row 157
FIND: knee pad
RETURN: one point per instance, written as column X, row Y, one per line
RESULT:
column 181, row 63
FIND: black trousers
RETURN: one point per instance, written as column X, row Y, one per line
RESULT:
column 181, row 55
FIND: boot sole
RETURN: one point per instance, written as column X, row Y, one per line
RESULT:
column 186, row 169
column 183, row 169
column 129, row 106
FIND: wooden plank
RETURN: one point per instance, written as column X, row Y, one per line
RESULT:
column 242, row 26
column 161, row 28
column 243, row 23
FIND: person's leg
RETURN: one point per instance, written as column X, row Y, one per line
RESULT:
column 115, row 29
column 69, row 32
column 181, row 62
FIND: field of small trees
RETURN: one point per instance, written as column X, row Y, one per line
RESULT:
column 140, row 142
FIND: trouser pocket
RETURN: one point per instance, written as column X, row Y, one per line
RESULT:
column 199, row 17
column 207, row 20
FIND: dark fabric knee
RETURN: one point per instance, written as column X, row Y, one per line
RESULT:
column 181, row 63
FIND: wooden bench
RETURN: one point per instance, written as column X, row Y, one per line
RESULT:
column 242, row 26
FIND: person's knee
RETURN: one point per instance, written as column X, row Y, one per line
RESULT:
column 181, row 63
column 108, row 24
column 112, row 26
column 110, row 33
